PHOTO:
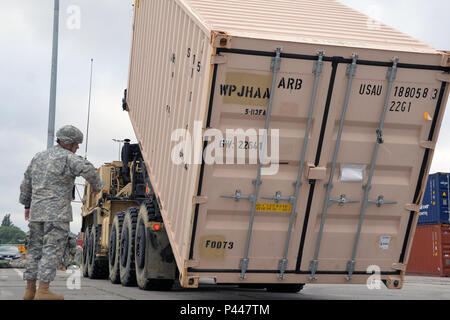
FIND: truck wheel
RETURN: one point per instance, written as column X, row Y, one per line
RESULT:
column 114, row 252
column 286, row 288
column 146, row 214
column 127, row 238
column 97, row 266
column 84, row 263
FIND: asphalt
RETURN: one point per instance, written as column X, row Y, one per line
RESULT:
column 73, row 286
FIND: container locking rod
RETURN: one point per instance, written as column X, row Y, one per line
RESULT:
column 275, row 67
column 317, row 70
column 351, row 72
column 391, row 75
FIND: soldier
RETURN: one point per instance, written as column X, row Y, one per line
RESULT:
column 46, row 193
column 70, row 251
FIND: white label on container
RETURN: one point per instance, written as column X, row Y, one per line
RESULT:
column 352, row 172
column 384, row 242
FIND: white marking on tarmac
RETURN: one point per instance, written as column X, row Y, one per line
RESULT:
column 6, row 294
column 20, row 273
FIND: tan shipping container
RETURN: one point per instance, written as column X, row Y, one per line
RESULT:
column 357, row 106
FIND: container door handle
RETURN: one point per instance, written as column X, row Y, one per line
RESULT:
column 237, row 196
column 277, row 198
column 381, row 201
column 342, row 200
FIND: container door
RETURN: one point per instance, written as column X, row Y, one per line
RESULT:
column 359, row 217
column 445, row 243
column 369, row 129
column 427, row 207
column 233, row 232
column 444, row 186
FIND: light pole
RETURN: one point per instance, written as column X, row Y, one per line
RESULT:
column 89, row 110
column 52, row 106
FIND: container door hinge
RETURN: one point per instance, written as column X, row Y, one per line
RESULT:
column 199, row 199
column 428, row 144
column 219, row 59
column 412, row 207
column 444, row 77
column 399, row 266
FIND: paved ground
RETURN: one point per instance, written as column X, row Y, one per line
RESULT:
column 75, row 287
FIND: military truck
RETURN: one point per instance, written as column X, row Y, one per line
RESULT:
column 123, row 231
column 348, row 108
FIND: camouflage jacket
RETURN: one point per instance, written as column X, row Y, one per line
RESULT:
column 49, row 180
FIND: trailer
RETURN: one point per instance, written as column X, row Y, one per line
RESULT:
column 280, row 143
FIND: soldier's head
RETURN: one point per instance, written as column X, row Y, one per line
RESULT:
column 69, row 138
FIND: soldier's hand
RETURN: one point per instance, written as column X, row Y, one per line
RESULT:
column 27, row 214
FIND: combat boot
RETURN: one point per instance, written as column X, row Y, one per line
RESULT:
column 43, row 292
column 30, row 290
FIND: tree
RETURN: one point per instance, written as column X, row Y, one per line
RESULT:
column 9, row 233
column 7, row 221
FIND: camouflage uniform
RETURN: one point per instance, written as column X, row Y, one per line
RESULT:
column 70, row 250
column 47, row 190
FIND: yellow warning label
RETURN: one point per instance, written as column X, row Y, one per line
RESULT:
column 273, row 207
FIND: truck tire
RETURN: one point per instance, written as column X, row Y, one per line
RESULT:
column 114, row 245
column 97, row 266
column 286, row 288
column 147, row 213
column 127, row 239
column 85, row 258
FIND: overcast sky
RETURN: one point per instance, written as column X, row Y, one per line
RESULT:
column 103, row 32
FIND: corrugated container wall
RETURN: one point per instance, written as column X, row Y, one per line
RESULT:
column 435, row 209
column 430, row 253
column 169, row 78
column 356, row 107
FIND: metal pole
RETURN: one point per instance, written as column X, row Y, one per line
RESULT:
column 89, row 110
column 276, row 61
column 351, row 72
column 52, row 106
column 317, row 70
column 392, row 73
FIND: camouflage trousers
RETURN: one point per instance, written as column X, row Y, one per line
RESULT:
column 45, row 249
